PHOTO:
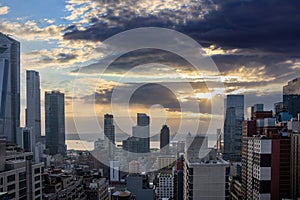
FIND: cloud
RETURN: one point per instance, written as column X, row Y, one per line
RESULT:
column 4, row 10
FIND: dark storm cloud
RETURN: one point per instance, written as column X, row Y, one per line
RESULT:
column 61, row 58
column 151, row 94
column 136, row 58
column 255, row 24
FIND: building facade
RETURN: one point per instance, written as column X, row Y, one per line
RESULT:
column 9, row 87
column 234, row 116
column 20, row 178
column 55, row 122
column 291, row 96
column 33, row 104
column 165, row 139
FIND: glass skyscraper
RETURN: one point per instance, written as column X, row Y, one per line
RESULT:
column 33, row 104
column 291, row 97
column 55, row 122
column 9, row 87
column 234, row 116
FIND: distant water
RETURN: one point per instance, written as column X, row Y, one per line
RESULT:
column 89, row 145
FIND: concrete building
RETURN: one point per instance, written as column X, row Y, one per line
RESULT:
column 234, row 115
column 9, row 87
column 178, row 178
column 294, row 130
column 62, row 185
column 99, row 144
column 266, row 159
column 205, row 174
column 205, row 179
column 164, row 187
column 97, row 190
column 33, row 105
column 138, row 185
column 134, row 167
column 20, row 178
column 114, row 175
column 165, row 161
column 55, row 122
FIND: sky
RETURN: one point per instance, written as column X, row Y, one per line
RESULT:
column 253, row 43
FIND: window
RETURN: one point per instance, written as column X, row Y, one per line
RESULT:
column 37, row 192
column 11, row 178
column 37, row 171
column 22, row 176
column 37, row 178
column 11, row 187
column 22, row 184
column 12, row 195
column 22, row 192
column 37, row 185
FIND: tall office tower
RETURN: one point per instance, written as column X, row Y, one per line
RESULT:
column 234, row 116
column 33, row 108
column 164, row 137
column 142, row 131
column 143, row 119
column 55, row 122
column 109, row 128
column 9, row 87
column 291, row 96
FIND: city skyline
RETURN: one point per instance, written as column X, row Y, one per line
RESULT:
column 162, row 99
column 59, row 43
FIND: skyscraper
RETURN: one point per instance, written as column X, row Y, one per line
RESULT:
column 33, row 107
column 9, row 87
column 143, row 119
column 109, row 128
column 55, row 122
column 291, row 96
column 142, row 130
column 234, row 116
column 164, row 137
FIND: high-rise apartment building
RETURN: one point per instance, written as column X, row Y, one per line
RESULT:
column 234, row 115
column 55, row 122
column 164, row 187
column 294, row 130
column 265, row 159
column 20, row 178
column 9, row 87
column 205, row 176
column 33, row 104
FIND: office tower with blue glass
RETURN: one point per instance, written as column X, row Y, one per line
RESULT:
column 234, row 116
